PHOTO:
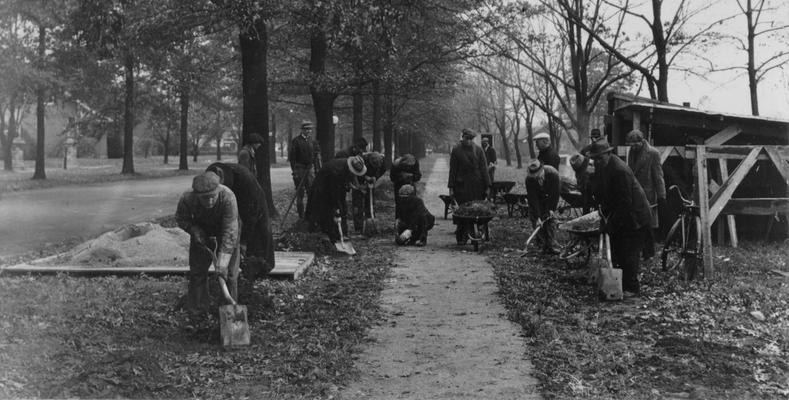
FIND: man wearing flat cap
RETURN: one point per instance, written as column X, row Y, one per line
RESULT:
column 546, row 154
column 208, row 211
column 246, row 155
column 490, row 155
column 624, row 210
column 644, row 161
column 542, row 191
column 302, row 158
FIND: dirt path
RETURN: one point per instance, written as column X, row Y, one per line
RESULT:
column 445, row 335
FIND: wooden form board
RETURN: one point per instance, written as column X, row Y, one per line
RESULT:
column 289, row 265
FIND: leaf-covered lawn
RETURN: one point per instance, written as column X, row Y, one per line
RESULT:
column 109, row 337
column 679, row 340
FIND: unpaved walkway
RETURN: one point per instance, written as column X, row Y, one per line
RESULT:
column 446, row 335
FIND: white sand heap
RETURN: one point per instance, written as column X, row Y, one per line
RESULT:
column 136, row 245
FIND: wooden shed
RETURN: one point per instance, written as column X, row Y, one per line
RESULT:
column 738, row 161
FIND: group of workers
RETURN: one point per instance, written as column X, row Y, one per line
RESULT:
column 627, row 195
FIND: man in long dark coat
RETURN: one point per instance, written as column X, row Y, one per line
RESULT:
column 246, row 155
column 644, row 161
column 625, row 213
column 468, row 171
column 490, row 155
column 327, row 198
column 257, row 243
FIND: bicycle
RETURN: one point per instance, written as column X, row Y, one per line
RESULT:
column 682, row 251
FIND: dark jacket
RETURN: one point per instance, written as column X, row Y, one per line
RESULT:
column 468, row 173
column 405, row 170
column 301, row 152
column 543, row 198
column 246, row 158
column 490, row 154
column 254, row 215
column 622, row 200
column 327, row 194
column 549, row 156
column 647, row 169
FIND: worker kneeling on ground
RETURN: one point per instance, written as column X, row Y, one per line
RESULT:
column 542, row 191
column 208, row 211
column 415, row 220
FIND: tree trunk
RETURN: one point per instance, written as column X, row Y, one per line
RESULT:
column 128, row 117
column 254, row 79
column 273, row 147
column 753, row 82
column 515, row 139
column 40, row 172
column 183, row 163
column 358, row 114
column 376, row 116
column 388, row 130
column 167, row 144
column 8, row 163
column 322, row 97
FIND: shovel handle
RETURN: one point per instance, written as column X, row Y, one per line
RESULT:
column 225, row 291
column 608, row 250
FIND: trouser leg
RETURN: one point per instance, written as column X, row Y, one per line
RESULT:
column 625, row 253
column 357, row 207
column 549, row 236
column 197, row 294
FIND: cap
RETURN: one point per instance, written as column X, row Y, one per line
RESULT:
column 468, row 133
column 361, row 143
column 534, row 167
column 577, row 161
column 595, row 134
column 598, row 148
column 406, row 191
column 374, row 159
column 307, row 124
column 254, row 138
column 356, row 165
column 205, row 183
column 485, row 139
column 634, row 136
column 542, row 135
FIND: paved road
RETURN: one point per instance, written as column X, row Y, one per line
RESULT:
column 32, row 220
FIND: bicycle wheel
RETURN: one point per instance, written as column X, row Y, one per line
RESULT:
column 674, row 247
column 692, row 254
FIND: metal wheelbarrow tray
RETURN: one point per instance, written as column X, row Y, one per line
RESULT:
column 472, row 228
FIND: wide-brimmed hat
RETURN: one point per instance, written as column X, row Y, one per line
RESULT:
column 356, row 165
column 468, row 133
column 599, row 148
column 541, row 135
column 205, row 183
column 307, row 124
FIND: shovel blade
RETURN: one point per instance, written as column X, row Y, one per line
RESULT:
column 609, row 283
column 233, row 325
column 369, row 228
column 345, row 247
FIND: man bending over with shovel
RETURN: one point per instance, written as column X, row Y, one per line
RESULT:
column 209, row 210
column 542, row 191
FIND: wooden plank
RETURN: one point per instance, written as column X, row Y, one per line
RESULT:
column 756, row 206
column 779, row 162
column 666, row 152
column 288, row 265
column 727, row 189
column 730, row 222
column 703, row 202
column 723, row 136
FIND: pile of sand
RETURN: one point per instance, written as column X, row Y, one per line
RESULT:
column 137, row 245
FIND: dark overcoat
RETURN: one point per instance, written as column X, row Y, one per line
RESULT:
column 468, row 173
column 622, row 200
column 328, row 193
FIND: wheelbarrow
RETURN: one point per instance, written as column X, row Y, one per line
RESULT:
column 450, row 205
column 580, row 239
column 472, row 228
column 498, row 189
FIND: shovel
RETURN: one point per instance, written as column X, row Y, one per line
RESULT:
column 369, row 228
column 609, row 279
column 532, row 236
column 342, row 246
column 233, row 324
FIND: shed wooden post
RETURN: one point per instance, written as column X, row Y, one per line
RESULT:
column 704, row 210
column 722, row 163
